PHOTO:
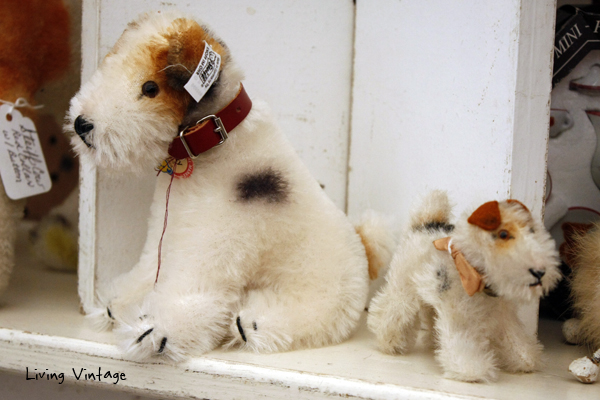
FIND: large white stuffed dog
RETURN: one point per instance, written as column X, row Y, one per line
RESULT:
column 255, row 254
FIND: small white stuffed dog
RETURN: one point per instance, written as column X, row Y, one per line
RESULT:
column 471, row 279
column 255, row 254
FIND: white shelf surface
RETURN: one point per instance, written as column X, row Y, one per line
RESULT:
column 41, row 327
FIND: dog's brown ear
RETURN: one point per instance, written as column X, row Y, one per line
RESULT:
column 186, row 44
column 512, row 201
column 487, row 216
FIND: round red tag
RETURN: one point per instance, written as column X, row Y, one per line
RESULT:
column 184, row 168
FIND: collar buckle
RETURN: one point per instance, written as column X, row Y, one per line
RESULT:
column 219, row 129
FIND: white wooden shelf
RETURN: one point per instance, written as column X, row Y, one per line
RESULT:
column 41, row 327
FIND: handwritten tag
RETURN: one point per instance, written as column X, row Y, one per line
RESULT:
column 22, row 165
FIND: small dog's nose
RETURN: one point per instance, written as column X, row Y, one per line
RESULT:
column 538, row 273
column 82, row 127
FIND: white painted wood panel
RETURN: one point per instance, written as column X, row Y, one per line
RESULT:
column 532, row 102
column 297, row 56
column 88, row 175
column 450, row 95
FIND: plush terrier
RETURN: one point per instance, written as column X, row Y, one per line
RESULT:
column 472, row 278
column 255, row 254
column 585, row 293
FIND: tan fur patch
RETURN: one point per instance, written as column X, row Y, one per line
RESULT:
column 186, row 44
column 439, row 216
column 375, row 262
column 513, row 201
column 572, row 231
column 172, row 99
column 512, row 211
column 487, row 216
column 585, row 285
column 513, row 233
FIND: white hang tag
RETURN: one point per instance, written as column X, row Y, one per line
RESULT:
column 205, row 74
column 22, row 165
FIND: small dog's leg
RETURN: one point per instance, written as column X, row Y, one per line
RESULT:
column 128, row 289
column 427, row 317
column 516, row 350
column 570, row 330
column 464, row 351
column 174, row 324
column 394, row 312
column 123, row 292
column 394, row 317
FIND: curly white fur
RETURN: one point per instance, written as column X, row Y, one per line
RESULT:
column 475, row 335
column 268, row 273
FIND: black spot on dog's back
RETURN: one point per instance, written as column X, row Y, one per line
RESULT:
column 269, row 185
column 442, row 275
column 435, row 226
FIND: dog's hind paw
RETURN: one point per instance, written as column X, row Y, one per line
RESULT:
column 144, row 340
column 246, row 333
column 100, row 319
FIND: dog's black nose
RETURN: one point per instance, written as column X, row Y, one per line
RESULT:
column 538, row 273
column 82, row 127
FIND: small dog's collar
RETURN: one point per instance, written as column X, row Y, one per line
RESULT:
column 471, row 279
column 212, row 130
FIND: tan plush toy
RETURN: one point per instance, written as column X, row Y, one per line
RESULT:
column 34, row 48
column 585, row 293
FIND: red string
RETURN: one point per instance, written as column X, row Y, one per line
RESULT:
column 164, row 226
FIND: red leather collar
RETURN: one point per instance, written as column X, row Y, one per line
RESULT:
column 212, row 130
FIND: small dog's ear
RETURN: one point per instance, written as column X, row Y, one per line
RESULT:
column 186, row 45
column 487, row 216
column 512, row 201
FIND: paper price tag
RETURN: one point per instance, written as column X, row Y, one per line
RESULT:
column 22, row 165
column 205, row 74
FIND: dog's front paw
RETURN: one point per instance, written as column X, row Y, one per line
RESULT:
column 521, row 357
column 144, row 339
column 101, row 318
column 256, row 334
column 466, row 357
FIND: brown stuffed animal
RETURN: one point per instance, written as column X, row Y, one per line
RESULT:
column 585, row 294
column 34, row 44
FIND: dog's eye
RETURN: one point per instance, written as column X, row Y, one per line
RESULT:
column 531, row 230
column 503, row 234
column 150, row 89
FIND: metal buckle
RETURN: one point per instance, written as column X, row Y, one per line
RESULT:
column 220, row 129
